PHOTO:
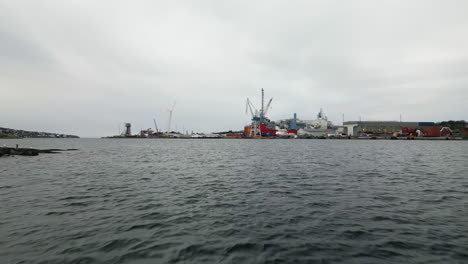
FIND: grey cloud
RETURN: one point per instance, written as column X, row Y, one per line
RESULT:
column 99, row 64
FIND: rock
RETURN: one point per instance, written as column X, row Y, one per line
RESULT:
column 5, row 151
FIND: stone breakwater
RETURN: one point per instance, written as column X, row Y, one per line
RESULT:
column 6, row 151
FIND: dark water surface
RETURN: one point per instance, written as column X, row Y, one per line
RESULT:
column 235, row 201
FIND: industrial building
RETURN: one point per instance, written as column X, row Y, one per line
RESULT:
column 356, row 128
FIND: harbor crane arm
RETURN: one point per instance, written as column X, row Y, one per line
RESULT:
column 156, row 126
column 248, row 106
column 267, row 107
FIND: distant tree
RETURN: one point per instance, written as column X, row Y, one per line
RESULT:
column 458, row 125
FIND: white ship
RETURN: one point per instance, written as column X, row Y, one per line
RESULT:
column 318, row 127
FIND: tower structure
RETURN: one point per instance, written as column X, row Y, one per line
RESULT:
column 128, row 129
column 293, row 123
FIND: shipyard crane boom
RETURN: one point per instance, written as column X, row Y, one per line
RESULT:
column 248, row 106
column 253, row 106
column 267, row 107
column 156, row 126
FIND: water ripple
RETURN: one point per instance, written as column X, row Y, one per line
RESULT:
column 224, row 201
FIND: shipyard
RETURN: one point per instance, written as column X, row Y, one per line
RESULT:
column 261, row 127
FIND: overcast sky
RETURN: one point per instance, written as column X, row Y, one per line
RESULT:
column 85, row 67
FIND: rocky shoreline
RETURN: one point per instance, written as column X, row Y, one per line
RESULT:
column 6, row 151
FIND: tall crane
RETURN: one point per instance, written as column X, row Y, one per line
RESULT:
column 258, row 116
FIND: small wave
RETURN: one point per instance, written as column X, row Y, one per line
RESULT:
column 226, row 233
column 149, row 206
column 321, row 204
column 80, row 204
column 146, row 246
column 297, row 219
column 386, row 198
column 145, row 226
column 194, row 250
column 118, row 244
column 275, row 236
column 58, row 213
column 280, row 192
column 131, row 257
column 152, row 216
column 442, row 247
column 72, row 250
column 402, row 245
column 449, row 198
column 395, row 220
column 373, row 174
column 378, row 253
column 182, row 220
column 242, row 247
column 272, row 247
column 192, row 201
column 79, row 260
column 354, row 234
column 76, row 197
column 223, row 205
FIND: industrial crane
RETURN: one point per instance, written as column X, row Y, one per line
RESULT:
column 155, row 126
column 258, row 116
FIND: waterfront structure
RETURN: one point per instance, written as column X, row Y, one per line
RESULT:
column 356, row 128
column 128, row 129
column 317, row 127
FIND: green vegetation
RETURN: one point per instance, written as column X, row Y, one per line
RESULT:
column 454, row 124
column 7, row 136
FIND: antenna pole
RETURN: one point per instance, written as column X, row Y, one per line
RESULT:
column 262, row 110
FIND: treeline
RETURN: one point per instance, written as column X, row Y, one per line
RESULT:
column 455, row 125
column 15, row 133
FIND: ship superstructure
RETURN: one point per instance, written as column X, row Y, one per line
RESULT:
column 317, row 127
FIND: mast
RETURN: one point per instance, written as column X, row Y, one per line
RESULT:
column 262, row 110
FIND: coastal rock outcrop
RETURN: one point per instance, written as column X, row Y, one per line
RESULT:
column 6, row 151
